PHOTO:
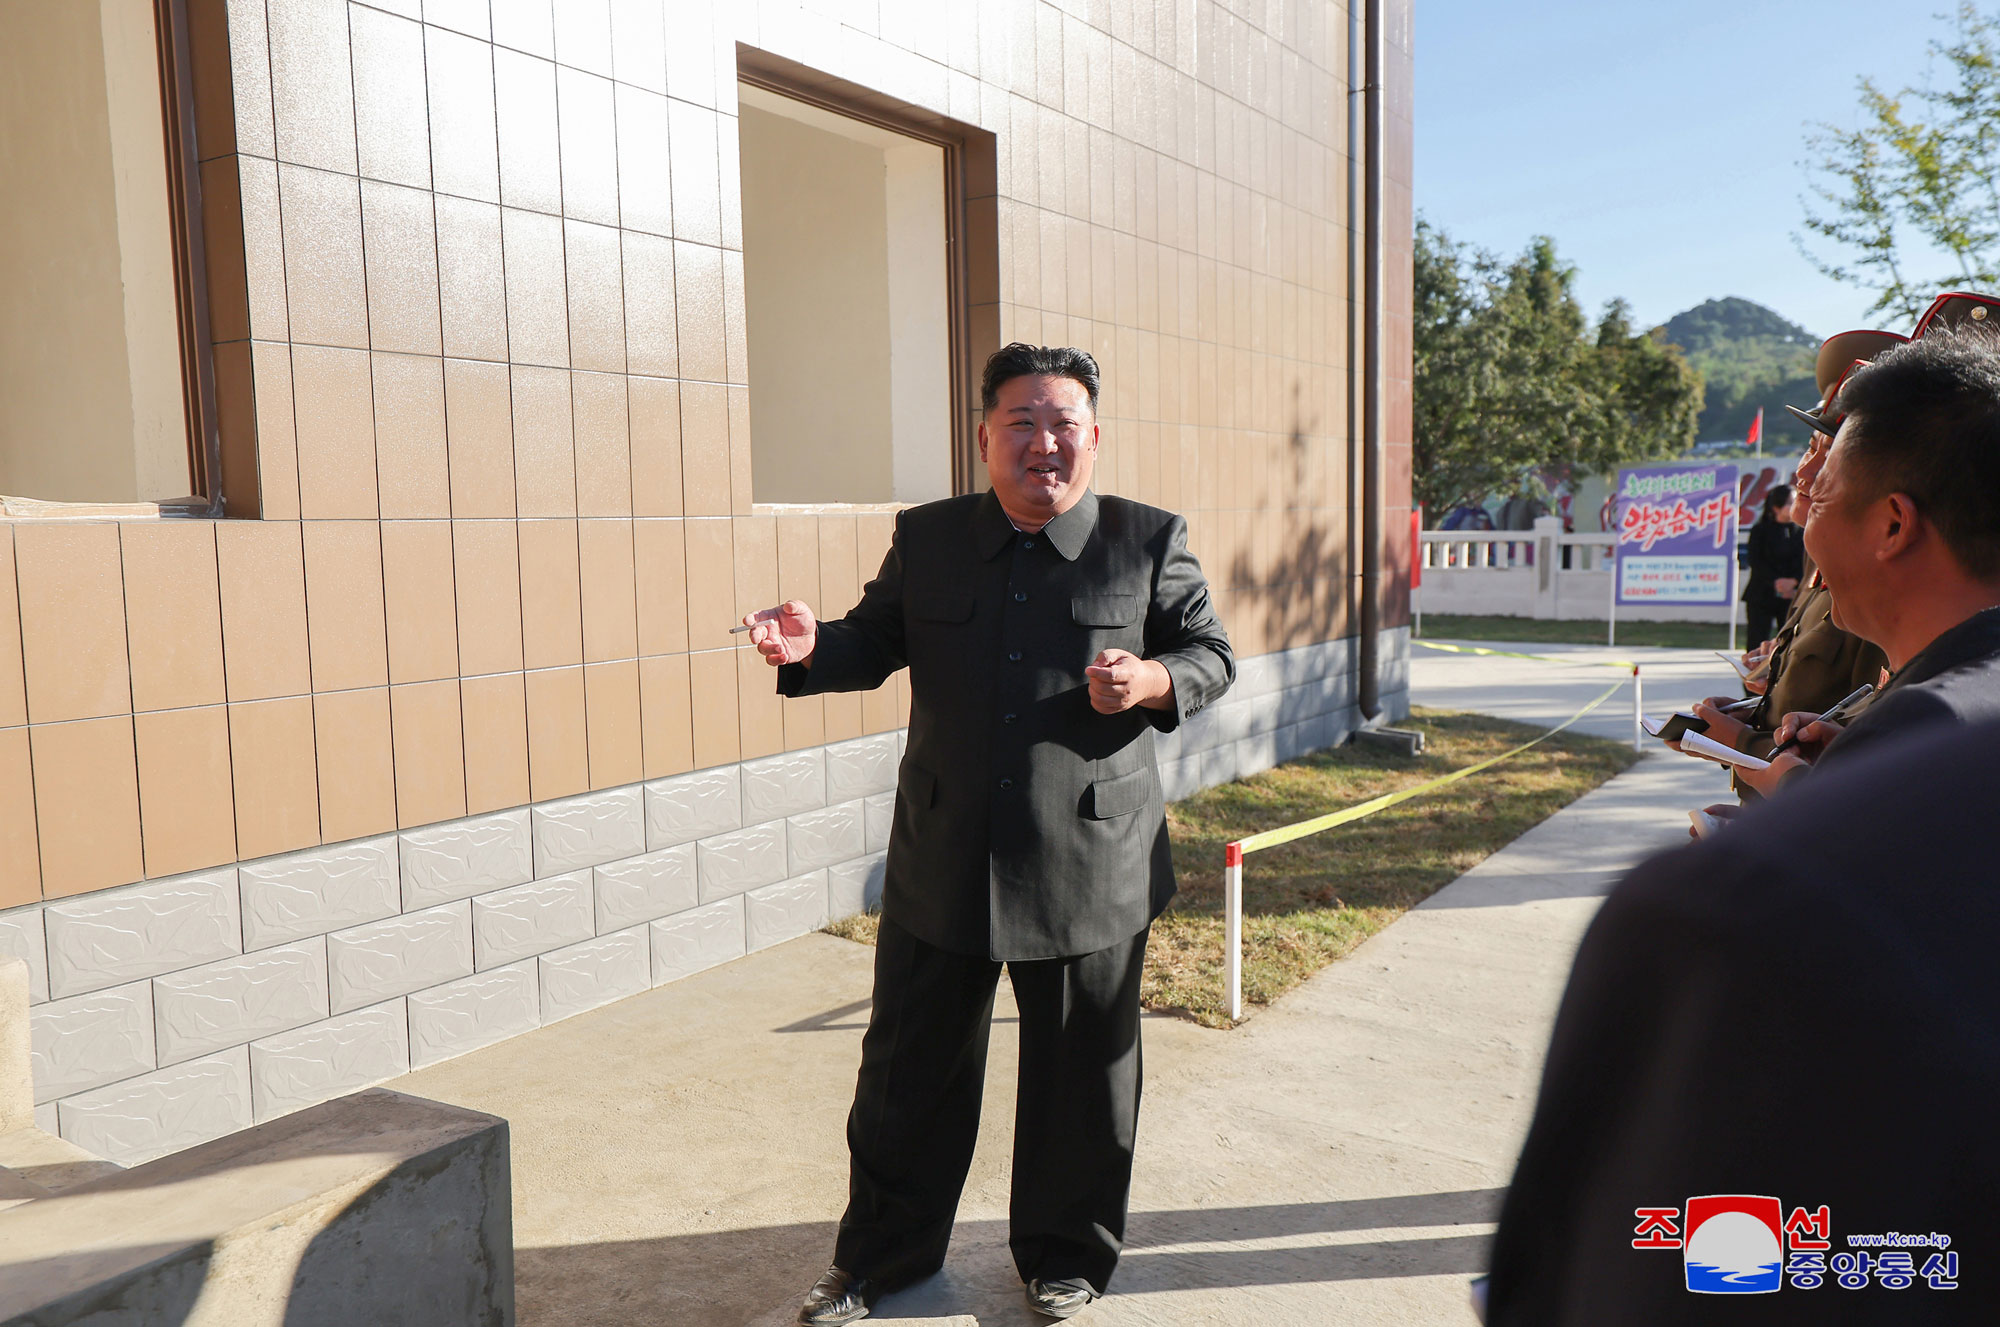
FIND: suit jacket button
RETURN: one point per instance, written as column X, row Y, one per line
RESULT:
column 1020, row 597
column 1013, row 656
column 1027, row 543
column 1006, row 783
column 1009, row 718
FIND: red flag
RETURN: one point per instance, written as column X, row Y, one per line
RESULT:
column 1756, row 430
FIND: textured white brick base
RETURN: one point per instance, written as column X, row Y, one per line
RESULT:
column 174, row 1011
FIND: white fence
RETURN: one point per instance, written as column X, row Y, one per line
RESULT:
column 1532, row 573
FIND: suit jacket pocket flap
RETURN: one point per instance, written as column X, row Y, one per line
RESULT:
column 1121, row 796
column 941, row 606
column 1104, row 610
column 918, row 787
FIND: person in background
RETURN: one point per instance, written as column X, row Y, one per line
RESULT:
column 1777, row 563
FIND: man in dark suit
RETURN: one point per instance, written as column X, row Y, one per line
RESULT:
column 1905, row 531
column 1805, row 1007
column 1048, row 633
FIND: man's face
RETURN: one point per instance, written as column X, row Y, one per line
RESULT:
column 1039, row 443
column 1837, row 538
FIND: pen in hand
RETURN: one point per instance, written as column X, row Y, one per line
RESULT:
column 1828, row 717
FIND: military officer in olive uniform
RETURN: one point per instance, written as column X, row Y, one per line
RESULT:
column 1048, row 633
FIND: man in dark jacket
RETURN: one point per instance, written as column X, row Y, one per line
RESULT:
column 1905, row 533
column 1048, row 633
column 1806, row 1009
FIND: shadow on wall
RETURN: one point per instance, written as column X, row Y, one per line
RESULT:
column 1299, row 595
column 735, row 1276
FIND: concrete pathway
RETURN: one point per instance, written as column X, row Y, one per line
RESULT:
column 1541, row 693
column 678, row 1156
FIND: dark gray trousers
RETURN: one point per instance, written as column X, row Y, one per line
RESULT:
column 916, row 1109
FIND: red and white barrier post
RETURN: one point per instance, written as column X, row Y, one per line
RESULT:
column 1232, row 912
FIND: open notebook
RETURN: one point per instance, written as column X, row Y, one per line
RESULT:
column 1699, row 744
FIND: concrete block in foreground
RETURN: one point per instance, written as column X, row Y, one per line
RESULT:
column 377, row 1208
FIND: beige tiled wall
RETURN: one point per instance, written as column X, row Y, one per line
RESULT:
column 477, row 292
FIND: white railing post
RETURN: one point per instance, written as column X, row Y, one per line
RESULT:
column 1638, row 704
column 1232, row 907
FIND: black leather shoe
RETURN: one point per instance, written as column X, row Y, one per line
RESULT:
column 1056, row 1298
column 837, row 1297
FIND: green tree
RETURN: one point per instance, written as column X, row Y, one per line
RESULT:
column 1511, row 378
column 1919, row 180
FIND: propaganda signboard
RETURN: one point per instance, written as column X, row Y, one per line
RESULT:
column 1676, row 534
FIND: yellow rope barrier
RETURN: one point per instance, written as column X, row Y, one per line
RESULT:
column 1509, row 654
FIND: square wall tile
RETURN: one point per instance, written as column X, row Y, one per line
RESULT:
column 705, row 449
column 357, row 776
column 652, row 340
column 537, row 299
column 589, row 145
column 173, row 614
column 277, row 443
column 762, row 710
column 72, row 609
column 430, row 752
column 544, row 442
column 712, row 683
column 741, row 489
column 645, row 188
column 263, row 591
column 86, row 805
column 479, row 432
column 472, row 282
column 530, row 154
column 325, row 286
column 711, row 584
column 186, row 794
column 344, row 614
column 659, row 564
column 486, row 561
column 418, row 584
column 21, row 881
column 275, row 768
column 697, row 175
column 400, row 235
column 610, row 617
column 558, row 755
column 638, row 44
column 391, row 120
column 611, row 705
column 666, row 716
column 496, row 741
column 551, row 594
column 603, row 448
column 13, row 691
column 653, row 409
column 458, row 77
column 699, row 301
column 412, row 473
column 333, row 392
column 312, row 90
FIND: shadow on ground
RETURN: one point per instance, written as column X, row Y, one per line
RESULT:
column 618, row 1282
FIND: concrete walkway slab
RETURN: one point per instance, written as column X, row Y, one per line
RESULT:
column 678, row 1156
column 1531, row 691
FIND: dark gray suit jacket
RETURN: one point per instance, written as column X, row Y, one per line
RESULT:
column 1954, row 680
column 1028, row 825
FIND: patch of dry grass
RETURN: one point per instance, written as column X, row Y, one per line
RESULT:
column 1312, row 901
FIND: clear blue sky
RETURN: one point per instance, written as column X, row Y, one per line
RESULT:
column 1659, row 143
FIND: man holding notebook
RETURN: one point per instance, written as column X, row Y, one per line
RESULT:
column 1905, row 531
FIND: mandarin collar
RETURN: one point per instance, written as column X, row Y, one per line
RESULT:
column 1067, row 533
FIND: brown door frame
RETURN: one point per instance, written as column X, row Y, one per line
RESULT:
column 971, row 189
column 183, row 165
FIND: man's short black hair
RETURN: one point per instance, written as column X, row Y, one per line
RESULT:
column 1019, row 360
column 1924, row 419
